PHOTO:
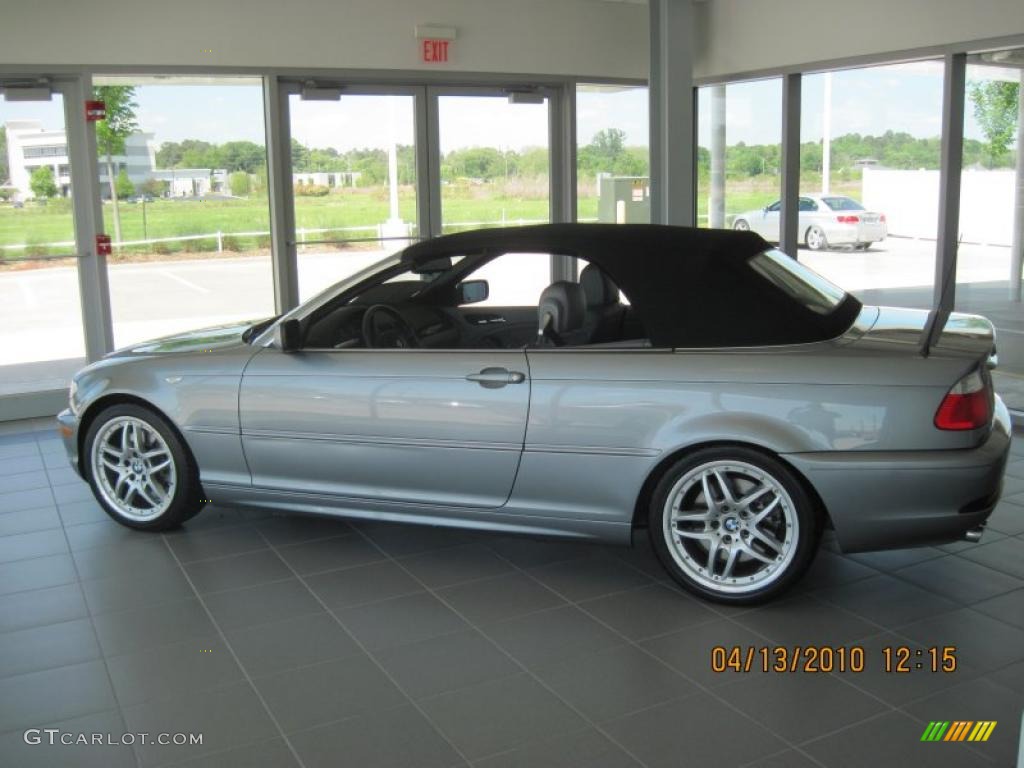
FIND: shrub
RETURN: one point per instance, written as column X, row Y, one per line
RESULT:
column 232, row 243
column 312, row 190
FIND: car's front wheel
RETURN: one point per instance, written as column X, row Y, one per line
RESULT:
column 139, row 469
column 733, row 525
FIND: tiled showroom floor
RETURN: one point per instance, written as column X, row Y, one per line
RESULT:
column 286, row 639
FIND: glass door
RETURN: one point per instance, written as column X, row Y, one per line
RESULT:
column 495, row 162
column 354, row 179
column 40, row 309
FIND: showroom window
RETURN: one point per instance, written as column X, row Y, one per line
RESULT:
column 613, row 164
column 40, row 310
column 988, row 277
column 183, row 180
column 869, row 157
column 739, row 149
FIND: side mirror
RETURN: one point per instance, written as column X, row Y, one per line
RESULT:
column 289, row 335
column 473, row 291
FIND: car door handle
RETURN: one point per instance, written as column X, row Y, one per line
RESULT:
column 493, row 378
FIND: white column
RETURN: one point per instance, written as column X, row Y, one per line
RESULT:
column 1017, row 249
column 826, row 136
column 716, row 206
column 672, row 112
column 284, row 261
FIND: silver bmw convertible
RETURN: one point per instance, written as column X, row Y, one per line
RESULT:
column 698, row 384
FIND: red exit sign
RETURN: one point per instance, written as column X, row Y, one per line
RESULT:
column 435, row 51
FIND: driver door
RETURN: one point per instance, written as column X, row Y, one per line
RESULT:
column 442, row 427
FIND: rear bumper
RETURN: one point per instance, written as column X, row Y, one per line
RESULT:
column 851, row 234
column 893, row 499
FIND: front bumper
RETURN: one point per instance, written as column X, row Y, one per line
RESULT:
column 67, row 426
column 893, row 499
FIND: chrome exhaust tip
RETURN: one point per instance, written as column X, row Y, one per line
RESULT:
column 974, row 535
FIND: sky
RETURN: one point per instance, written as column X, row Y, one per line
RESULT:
column 868, row 101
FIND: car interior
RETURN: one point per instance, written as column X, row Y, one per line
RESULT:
column 437, row 305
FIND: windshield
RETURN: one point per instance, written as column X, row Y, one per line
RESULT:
column 798, row 281
column 842, row 204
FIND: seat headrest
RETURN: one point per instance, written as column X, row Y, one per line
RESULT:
column 599, row 289
column 563, row 302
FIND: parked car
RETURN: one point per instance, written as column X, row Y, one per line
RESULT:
column 736, row 406
column 824, row 221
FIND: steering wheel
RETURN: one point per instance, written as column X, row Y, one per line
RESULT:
column 396, row 333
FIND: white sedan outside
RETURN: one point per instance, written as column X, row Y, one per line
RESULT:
column 825, row 221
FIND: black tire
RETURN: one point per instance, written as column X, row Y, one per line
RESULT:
column 814, row 238
column 799, row 506
column 186, row 495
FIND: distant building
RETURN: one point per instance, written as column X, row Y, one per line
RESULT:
column 191, row 182
column 327, row 178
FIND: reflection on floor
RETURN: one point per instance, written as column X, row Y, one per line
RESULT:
column 296, row 641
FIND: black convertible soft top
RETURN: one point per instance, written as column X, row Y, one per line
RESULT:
column 690, row 287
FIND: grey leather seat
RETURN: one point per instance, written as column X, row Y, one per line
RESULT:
column 560, row 314
column 604, row 315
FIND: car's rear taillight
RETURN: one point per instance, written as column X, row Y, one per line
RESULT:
column 968, row 405
column 881, row 217
column 847, row 219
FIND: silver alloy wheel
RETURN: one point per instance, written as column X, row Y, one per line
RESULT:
column 815, row 239
column 741, row 225
column 134, row 468
column 731, row 526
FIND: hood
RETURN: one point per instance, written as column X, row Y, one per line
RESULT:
column 218, row 337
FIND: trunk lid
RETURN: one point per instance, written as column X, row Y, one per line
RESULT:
column 972, row 337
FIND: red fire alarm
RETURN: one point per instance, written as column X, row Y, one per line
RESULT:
column 435, row 51
column 103, row 247
column 95, row 110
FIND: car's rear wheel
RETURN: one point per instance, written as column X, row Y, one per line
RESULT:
column 733, row 525
column 140, row 470
column 815, row 239
column 741, row 225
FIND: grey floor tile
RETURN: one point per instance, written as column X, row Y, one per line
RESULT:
column 102, row 533
column 159, row 583
column 29, row 520
column 551, row 635
column 261, row 604
column 273, row 753
column 689, row 650
column 806, row 620
column 446, row 663
column 978, row 700
column 1007, row 518
column 31, row 699
column 27, row 461
column 893, row 559
column 335, row 690
column 614, row 682
column 14, row 446
column 362, row 584
column 589, row 577
column 16, row 501
column 24, row 546
column 894, row 738
column 266, row 649
column 227, row 717
column 329, row 554
column 642, row 557
column 502, row 597
column 982, row 642
column 24, row 481
column 798, row 707
column 139, row 553
column 647, row 611
column 661, row 735
column 37, row 573
column 295, row 529
column 150, row 626
column 65, row 494
column 40, row 607
column 1006, row 555
column 63, row 476
column 400, row 620
column 887, row 600
column 172, row 670
column 528, row 552
column 399, row 738
column 1008, row 608
column 237, row 571
column 790, row 758
column 1012, row 677
column 959, row 579
column 16, row 752
column 832, row 570
column 78, row 512
column 454, row 565
column 53, row 645
column 499, row 715
column 189, row 545
column 53, row 460
column 399, row 540
column 582, row 749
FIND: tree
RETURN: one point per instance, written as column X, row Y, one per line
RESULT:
column 239, row 183
column 124, row 185
column 995, row 109
column 42, row 182
column 112, row 131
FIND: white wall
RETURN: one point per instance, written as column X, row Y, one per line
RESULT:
column 910, row 202
column 567, row 37
column 744, row 35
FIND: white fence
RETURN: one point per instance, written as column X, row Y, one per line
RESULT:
column 910, row 202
